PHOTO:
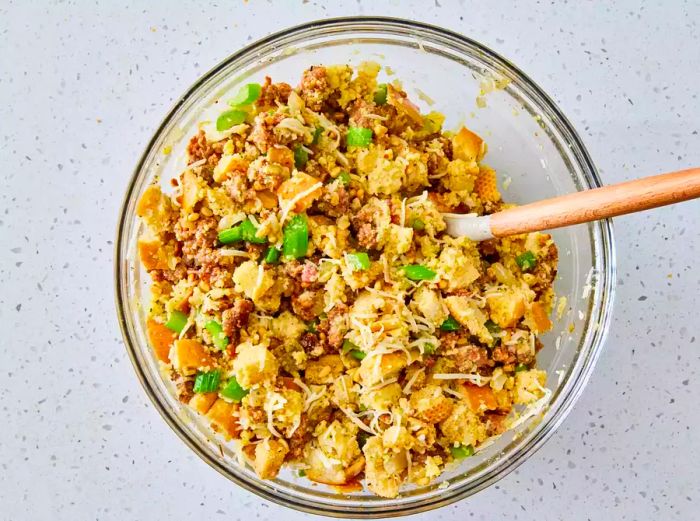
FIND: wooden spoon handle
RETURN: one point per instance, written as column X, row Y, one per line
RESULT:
column 598, row 203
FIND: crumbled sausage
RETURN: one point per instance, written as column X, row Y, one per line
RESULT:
column 236, row 317
column 314, row 88
column 273, row 94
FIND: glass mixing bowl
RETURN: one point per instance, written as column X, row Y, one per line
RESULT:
column 530, row 143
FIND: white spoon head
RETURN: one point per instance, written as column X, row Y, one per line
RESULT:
column 472, row 226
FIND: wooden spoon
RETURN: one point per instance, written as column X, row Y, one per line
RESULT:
column 579, row 207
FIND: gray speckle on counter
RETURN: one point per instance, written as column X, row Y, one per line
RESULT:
column 83, row 86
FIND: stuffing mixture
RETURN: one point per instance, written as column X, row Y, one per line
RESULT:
column 307, row 301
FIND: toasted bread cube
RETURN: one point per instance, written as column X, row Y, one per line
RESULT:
column 383, row 469
column 428, row 302
column 161, row 339
column 470, row 316
column 202, row 402
column 430, row 404
column 463, row 426
column 152, row 254
column 537, row 319
column 191, row 190
column 507, row 308
column 382, row 398
column 467, row 146
column 486, row 185
column 222, row 419
column 325, row 370
column 376, row 369
column 281, row 155
column 228, row 164
column 254, row 364
column 297, row 184
column 479, row 398
column 529, row 386
column 269, row 456
column 188, row 356
column 155, row 208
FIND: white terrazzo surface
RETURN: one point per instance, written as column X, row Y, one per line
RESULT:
column 82, row 86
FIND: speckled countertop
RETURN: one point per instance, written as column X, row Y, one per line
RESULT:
column 83, row 85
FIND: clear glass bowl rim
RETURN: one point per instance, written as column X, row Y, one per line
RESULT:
column 601, row 231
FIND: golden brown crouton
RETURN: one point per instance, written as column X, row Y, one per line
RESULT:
column 254, row 364
column 202, row 402
column 269, row 456
column 222, row 418
column 430, row 404
column 463, row 426
column 188, row 356
column 325, row 370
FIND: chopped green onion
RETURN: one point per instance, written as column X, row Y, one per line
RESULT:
column 246, row 95
column 295, row 242
column 357, row 261
column 301, row 157
column 357, row 354
column 207, row 382
column 418, row 272
column 249, row 233
column 233, row 390
column 349, row 346
column 462, row 451
column 380, row 94
column 418, row 224
column 492, row 326
column 359, row 137
column 177, row 321
column 429, row 349
column 302, row 473
column 231, row 235
column 526, row 261
column 272, row 255
column 317, row 135
column 230, row 118
column 450, row 325
column 218, row 338
column 520, row 367
column 246, row 231
column 344, row 177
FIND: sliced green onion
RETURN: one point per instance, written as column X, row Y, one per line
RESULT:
column 246, row 95
column 272, row 255
column 249, row 231
column 359, row 137
column 357, row 354
column 349, row 346
column 462, row 451
column 218, row 337
column 230, row 118
column 231, row 235
column 520, row 367
column 301, row 473
column 301, row 157
column 492, row 326
column 450, row 325
column 418, row 224
column 317, row 135
column 233, row 390
column 177, row 321
column 526, row 260
column 246, row 231
column 344, row 177
column 418, row 272
column 207, row 382
column 380, row 94
column 295, row 242
column 357, row 261
column 429, row 349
